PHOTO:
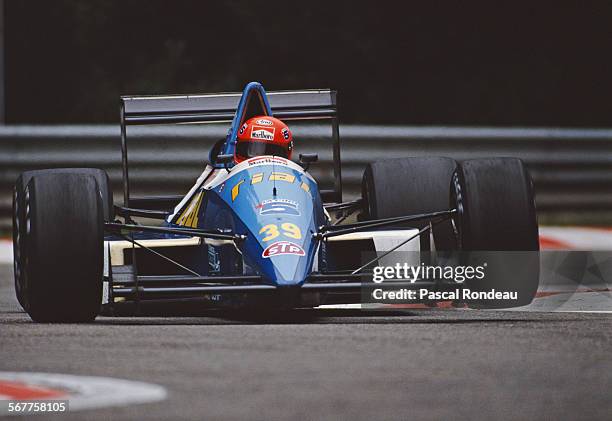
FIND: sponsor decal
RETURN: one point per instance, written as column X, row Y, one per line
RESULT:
column 282, row 176
column 243, row 128
column 282, row 247
column 285, row 132
column 278, row 207
column 267, row 160
column 189, row 217
column 262, row 133
column 257, row 178
column 214, row 263
column 263, row 122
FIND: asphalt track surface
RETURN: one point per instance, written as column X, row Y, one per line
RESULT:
column 331, row 364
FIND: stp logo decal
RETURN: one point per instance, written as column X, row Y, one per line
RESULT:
column 263, row 133
column 282, row 247
column 263, row 122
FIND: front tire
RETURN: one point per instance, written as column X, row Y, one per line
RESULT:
column 19, row 208
column 62, row 248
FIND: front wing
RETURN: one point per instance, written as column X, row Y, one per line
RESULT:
column 125, row 280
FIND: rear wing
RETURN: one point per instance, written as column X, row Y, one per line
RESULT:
column 214, row 108
column 223, row 107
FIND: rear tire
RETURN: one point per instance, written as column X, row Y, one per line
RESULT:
column 496, row 213
column 410, row 186
column 62, row 249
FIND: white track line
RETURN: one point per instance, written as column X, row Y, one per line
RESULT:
column 6, row 251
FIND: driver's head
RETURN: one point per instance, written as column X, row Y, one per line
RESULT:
column 263, row 136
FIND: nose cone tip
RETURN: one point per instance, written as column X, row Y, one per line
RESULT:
column 289, row 282
column 288, row 271
column 289, row 276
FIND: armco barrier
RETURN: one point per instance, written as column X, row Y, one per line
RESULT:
column 572, row 168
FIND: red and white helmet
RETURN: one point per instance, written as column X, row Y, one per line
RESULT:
column 263, row 135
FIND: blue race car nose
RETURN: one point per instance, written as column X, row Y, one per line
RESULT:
column 287, row 269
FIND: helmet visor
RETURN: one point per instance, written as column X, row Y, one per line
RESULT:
column 247, row 150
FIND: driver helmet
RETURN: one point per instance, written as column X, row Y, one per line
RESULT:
column 263, row 135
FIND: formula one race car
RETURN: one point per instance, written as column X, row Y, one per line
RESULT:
column 260, row 233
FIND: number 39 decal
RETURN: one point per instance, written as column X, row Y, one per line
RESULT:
column 271, row 231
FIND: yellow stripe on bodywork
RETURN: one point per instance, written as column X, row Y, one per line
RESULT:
column 257, row 178
column 282, row 176
column 236, row 190
column 189, row 217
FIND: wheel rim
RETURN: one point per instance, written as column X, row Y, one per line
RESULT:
column 368, row 200
column 457, row 201
column 23, row 239
column 17, row 244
